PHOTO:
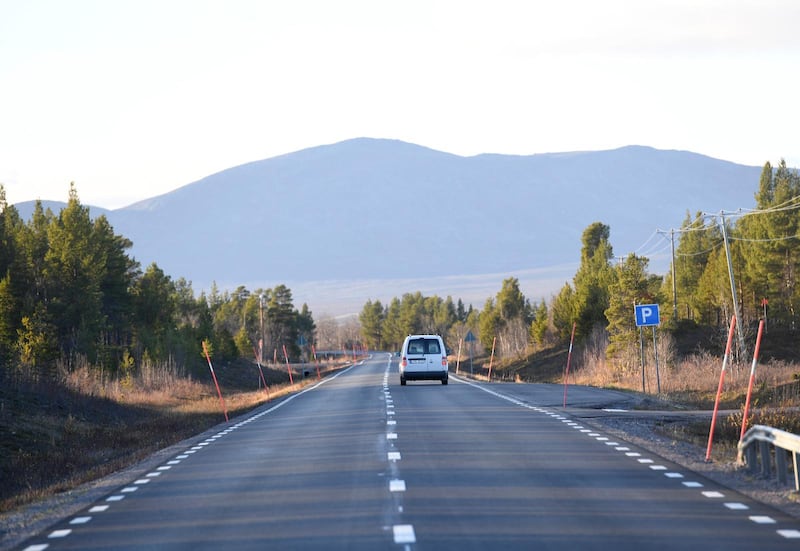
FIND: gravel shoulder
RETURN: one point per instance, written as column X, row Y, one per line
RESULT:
column 642, row 432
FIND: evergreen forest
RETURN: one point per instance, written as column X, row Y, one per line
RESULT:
column 745, row 263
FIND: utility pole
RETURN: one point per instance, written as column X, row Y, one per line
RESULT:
column 674, row 283
column 261, row 326
column 739, row 333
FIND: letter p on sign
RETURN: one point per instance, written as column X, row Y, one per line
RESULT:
column 647, row 315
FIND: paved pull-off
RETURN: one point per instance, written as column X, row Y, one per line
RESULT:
column 359, row 462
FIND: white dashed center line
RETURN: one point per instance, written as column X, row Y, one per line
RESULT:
column 404, row 533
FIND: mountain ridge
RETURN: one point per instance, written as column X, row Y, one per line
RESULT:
column 375, row 210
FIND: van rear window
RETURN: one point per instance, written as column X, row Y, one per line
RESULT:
column 424, row 346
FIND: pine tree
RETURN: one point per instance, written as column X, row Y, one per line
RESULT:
column 769, row 243
column 371, row 318
column 593, row 279
column 631, row 286
column 74, row 270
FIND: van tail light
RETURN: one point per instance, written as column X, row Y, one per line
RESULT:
column 403, row 362
column 444, row 360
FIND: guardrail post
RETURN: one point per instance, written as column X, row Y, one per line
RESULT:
column 780, row 464
column 766, row 468
column 752, row 458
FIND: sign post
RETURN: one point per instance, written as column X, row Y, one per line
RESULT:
column 470, row 338
column 648, row 315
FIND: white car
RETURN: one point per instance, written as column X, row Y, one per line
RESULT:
column 423, row 357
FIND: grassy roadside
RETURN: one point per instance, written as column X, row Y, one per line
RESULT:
column 689, row 376
column 54, row 437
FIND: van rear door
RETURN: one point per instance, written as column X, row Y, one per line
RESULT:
column 433, row 355
column 415, row 354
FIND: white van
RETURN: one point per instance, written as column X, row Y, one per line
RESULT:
column 423, row 357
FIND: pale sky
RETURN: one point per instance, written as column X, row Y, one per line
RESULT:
column 132, row 99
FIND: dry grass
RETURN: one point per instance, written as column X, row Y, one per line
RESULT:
column 688, row 374
column 55, row 436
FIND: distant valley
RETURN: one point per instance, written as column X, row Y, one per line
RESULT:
column 372, row 219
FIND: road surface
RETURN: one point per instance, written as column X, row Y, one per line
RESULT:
column 359, row 462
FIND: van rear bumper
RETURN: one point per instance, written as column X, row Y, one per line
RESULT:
column 423, row 375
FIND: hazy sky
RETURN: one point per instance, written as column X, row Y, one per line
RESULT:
column 131, row 99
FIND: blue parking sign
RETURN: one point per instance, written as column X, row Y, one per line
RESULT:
column 646, row 315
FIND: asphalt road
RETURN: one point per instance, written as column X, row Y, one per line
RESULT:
column 359, row 462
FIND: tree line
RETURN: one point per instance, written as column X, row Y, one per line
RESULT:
column 759, row 247
column 70, row 293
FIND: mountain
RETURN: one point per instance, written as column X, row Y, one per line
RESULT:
column 362, row 218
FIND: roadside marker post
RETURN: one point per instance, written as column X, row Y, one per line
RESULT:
column 491, row 359
column 458, row 358
column 316, row 361
column 214, row 376
column 260, row 371
column 761, row 325
column 569, row 358
column 719, row 388
column 288, row 368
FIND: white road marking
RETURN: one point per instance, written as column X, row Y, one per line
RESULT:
column 153, row 474
column 40, row 547
column 391, row 422
column 658, row 467
column 115, row 498
column 673, row 475
column 737, row 506
column 80, row 520
column 397, row 485
column 99, row 509
column 142, row 481
column 393, row 456
column 59, row 534
column 714, row 495
column 622, row 449
column 129, row 489
column 759, row 519
column 790, row 534
column 692, row 484
column 391, row 436
column 404, row 533
column 645, row 460
column 633, row 454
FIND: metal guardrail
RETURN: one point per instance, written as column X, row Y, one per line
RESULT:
column 756, row 443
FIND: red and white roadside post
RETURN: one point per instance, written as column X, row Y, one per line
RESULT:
column 761, row 325
column 214, row 376
column 259, row 353
column 569, row 358
column 719, row 388
column 458, row 358
column 316, row 361
column 491, row 359
column 288, row 367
